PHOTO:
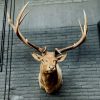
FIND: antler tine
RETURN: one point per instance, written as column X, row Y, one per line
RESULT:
column 80, row 41
column 86, row 22
column 23, row 17
column 19, row 17
column 17, row 31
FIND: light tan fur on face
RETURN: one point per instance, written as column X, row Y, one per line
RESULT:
column 50, row 76
column 50, row 88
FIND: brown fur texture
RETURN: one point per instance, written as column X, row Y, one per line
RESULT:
column 51, row 81
column 50, row 76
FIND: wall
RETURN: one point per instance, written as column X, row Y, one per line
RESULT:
column 59, row 15
column 81, row 69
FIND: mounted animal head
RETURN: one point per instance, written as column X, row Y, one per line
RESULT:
column 48, row 60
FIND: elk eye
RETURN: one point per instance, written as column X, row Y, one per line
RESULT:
column 42, row 61
column 46, row 60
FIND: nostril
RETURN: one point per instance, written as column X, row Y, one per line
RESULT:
column 52, row 68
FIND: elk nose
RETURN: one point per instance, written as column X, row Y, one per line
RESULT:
column 52, row 68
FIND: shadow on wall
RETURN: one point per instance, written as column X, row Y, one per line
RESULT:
column 98, row 26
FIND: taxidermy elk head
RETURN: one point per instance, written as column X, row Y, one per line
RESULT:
column 50, row 76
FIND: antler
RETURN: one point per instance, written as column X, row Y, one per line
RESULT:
column 15, row 27
column 80, row 41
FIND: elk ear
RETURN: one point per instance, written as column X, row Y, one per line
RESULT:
column 36, row 56
column 61, row 57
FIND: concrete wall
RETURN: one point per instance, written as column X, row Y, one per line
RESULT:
column 59, row 15
column 1, row 13
column 81, row 69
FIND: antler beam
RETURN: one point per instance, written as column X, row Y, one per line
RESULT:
column 80, row 41
column 15, row 27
